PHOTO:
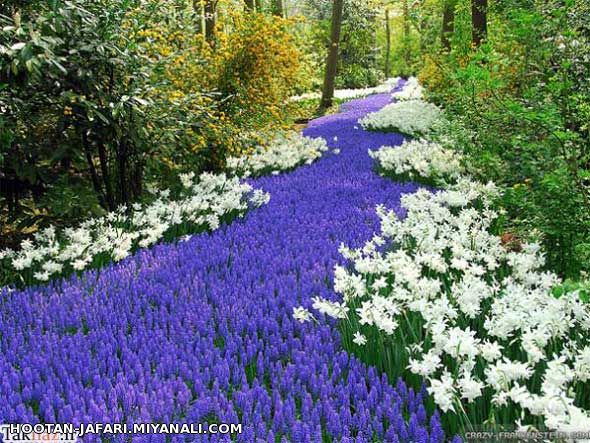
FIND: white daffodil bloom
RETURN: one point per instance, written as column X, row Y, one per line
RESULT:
column 301, row 314
column 443, row 391
column 331, row 309
column 470, row 388
column 359, row 339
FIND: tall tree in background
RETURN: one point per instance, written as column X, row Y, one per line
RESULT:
column 406, row 25
column 332, row 60
column 387, row 42
column 277, row 8
column 448, row 24
column 210, row 11
column 479, row 21
column 199, row 11
column 205, row 13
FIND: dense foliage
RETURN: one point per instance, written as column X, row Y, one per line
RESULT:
column 357, row 67
column 103, row 100
column 522, row 100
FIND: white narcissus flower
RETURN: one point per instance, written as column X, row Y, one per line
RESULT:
column 501, row 374
column 470, row 388
column 443, row 392
column 379, row 283
column 331, row 309
column 557, row 376
column 427, row 366
column 42, row 276
column 259, row 198
column 359, row 339
column 582, row 364
column 187, row 179
column 301, row 314
column 461, row 343
column 491, row 351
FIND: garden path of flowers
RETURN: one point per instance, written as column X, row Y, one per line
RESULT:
column 202, row 330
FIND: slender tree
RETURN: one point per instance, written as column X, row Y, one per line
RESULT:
column 210, row 14
column 199, row 12
column 277, row 8
column 387, row 42
column 448, row 24
column 479, row 21
column 406, row 31
column 332, row 59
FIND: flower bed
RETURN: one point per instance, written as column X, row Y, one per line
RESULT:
column 437, row 296
column 446, row 301
column 201, row 331
column 349, row 94
column 285, row 152
column 204, row 204
column 412, row 90
column 420, row 160
column 413, row 118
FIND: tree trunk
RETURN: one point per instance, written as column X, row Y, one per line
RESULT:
column 106, row 177
column 479, row 21
column 210, row 6
column 387, row 42
column 448, row 24
column 122, row 160
column 406, row 17
column 93, row 172
column 277, row 8
column 332, row 60
column 199, row 12
column 250, row 4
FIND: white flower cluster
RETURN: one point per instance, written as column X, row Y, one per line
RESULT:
column 204, row 204
column 285, row 152
column 479, row 320
column 419, row 159
column 349, row 94
column 412, row 90
column 411, row 117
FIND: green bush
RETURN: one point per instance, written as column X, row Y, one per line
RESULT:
column 523, row 99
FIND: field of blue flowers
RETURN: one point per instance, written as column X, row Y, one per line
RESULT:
column 202, row 330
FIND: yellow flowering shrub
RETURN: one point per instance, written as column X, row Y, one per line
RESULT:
column 258, row 66
column 229, row 91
